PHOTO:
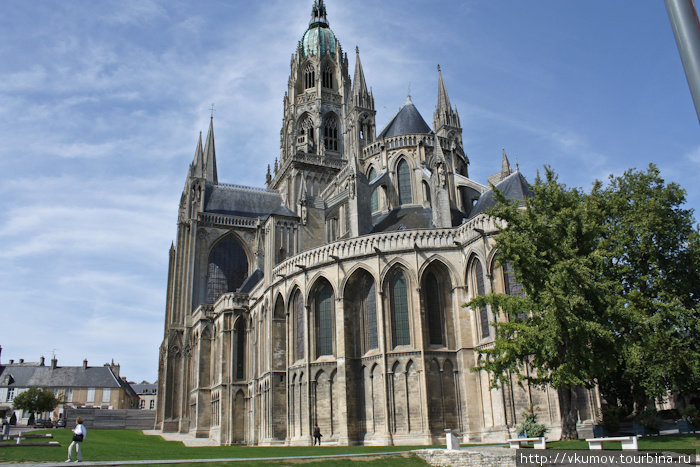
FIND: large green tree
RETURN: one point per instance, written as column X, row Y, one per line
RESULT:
column 555, row 327
column 650, row 248
column 612, row 289
column 36, row 400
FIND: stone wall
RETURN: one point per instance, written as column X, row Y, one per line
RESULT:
column 128, row 419
column 482, row 457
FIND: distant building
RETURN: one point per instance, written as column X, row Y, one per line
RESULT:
column 147, row 393
column 79, row 386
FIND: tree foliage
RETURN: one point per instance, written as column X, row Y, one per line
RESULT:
column 611, row 289
column 36, row 400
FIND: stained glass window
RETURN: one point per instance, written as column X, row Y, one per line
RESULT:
column 399, row 310
column 433, row 299
column 324, row 320
column 299, row 329
column 480, row 290
column 375, row 194
column 404, row 174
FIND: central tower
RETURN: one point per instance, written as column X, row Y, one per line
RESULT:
column 313, row 138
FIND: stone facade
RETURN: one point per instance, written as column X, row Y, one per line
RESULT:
column 334, row 295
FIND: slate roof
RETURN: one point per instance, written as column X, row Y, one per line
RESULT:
column 24, row 376
column 251, row 281
column 514, row 187
column 407, row 121
column 145, row 389
column 414, row 217
column 243, row 201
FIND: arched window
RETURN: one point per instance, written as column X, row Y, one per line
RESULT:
column 327, row 77
column 306, row 128
column 399, row 309
column 374, row 200
column 240, row 336
column 510, row 285
column 433, row 298
column 323, row 310
column 478, row 285
column 309, row 77
column 426, row 194
column 330, row 133
column 404, row 176
column 228, row 268
column 298, row 310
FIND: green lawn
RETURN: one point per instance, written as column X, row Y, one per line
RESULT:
column 649, row 443
column 108, row 445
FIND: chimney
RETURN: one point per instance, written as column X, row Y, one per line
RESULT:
column 54, row 362
column 41, row 361
column 85, row 364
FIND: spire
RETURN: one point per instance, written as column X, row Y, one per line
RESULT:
column 505, row 165
column 209, row 169
column 197, row 167
column 360, row 96
column 443, row 100
column 318, row 14
column 444, row 114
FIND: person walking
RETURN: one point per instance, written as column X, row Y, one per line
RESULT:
column 317, row 435
column 79, row 433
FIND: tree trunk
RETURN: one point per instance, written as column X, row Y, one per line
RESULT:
column 568, row 413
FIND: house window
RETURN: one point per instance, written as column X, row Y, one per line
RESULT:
column 90, row 395
column 330, row 133
column 69, row 395
column 106, row 393
column 152, row 405
column 142, row 405
column 404, row 175
column 324, row 320
column 399, row 309
column 10, row 394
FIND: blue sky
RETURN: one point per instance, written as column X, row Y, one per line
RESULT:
column 101, row 104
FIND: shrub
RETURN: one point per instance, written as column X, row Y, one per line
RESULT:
column 649, row 418
column 611, row 416
column 529, row 426
column 691, row 414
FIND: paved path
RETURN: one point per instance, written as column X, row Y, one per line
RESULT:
column 197, row 461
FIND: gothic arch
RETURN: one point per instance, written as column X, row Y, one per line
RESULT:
column 352, row 270
column 477, row 285
column 437, row 299
column 322, row 303
column 297, row 324
column 396, row 262
column 228, row 265
column 397, row 287
column 360, row 305
column 404, row 182
column 437, row 259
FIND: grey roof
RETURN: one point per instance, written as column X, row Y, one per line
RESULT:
column 514, row 187
column 407, row 121
column 24, row 376
column 251, row 281
column 149, row 388
column 414, row 217
column 243, row 201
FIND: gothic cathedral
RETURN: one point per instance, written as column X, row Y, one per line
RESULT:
column 333, row 296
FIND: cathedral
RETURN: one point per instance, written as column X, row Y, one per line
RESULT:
column 334, row 295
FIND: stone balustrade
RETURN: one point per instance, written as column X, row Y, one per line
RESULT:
column 231, row 301
column 227, row 220
column 387, row 243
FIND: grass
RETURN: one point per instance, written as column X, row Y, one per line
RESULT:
column 680, row 443
column 111, row 445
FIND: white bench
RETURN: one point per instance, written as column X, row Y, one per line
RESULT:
column 538, row 443
column 629, row 443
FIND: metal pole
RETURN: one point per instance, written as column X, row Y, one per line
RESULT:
column 686, row 29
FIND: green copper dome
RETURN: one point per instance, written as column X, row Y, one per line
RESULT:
column 318, row 40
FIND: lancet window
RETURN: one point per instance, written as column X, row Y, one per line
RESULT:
column 398, row 296
column 330, row 133
column 404, row 179
column 309, row 76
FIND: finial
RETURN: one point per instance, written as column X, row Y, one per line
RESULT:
column 357, row 50
column 212, row 110
column 504, row 151
column 517, row 165
column 438, row 68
